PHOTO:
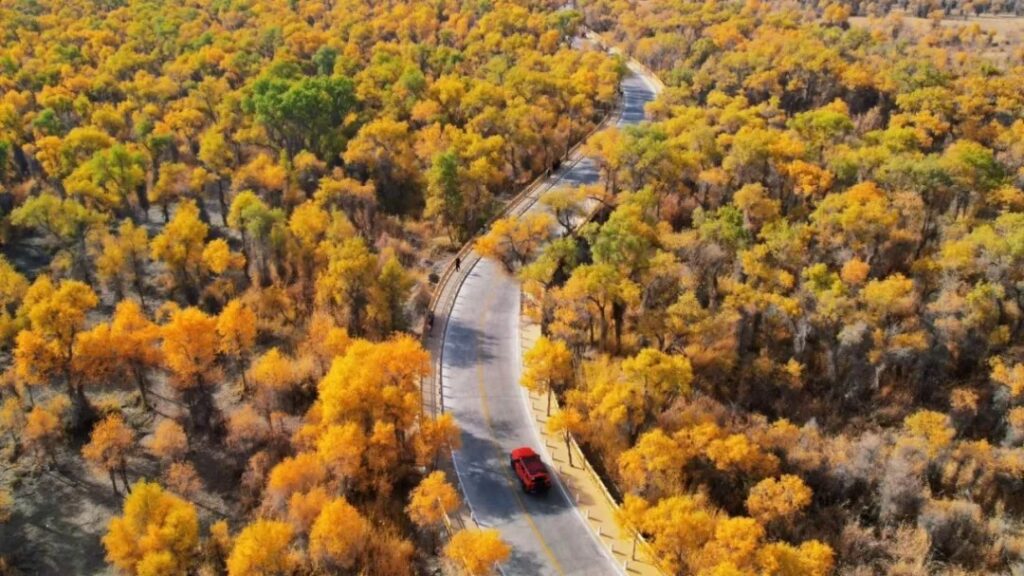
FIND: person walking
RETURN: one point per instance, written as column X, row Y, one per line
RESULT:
column 458, row 263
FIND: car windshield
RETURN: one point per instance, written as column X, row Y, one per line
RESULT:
column 533, row 465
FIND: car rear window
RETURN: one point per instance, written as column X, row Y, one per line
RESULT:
column 534, row 465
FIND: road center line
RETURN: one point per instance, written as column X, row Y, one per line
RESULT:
column 494, row 442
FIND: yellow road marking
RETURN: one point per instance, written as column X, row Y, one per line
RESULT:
column 487, row 418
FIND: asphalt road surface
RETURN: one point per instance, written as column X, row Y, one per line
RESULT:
column 480, row 374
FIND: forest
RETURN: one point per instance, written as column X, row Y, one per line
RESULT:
column 219, row 223
column 791, row 333
column 788, row 332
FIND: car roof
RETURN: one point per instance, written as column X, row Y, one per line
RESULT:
column 523, row 452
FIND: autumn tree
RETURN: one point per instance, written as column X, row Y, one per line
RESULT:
column 339, row 535
column 565, row 423
column 12, row 418
column 236, row 328
column 654, row 465
column 567, row 206
column 262, row 547
column 157, row 533
column 432, row 500
column 169, row 443
column 368, row 408
column 295, row 474
column 346, row 282
column 121, row 259
column 246, row 429
column 256, row 222
column 46, row 351
column 179, row 247
column 109, row 446
column 778, row 499
column 66, row 225
column 43, row 432
column 603, row 292
column 389, row 297
column 272, row 376
column 182, row 478
column 811, row 558
column 476, row 552
column 110, row 179
column 661, row 377
column 383, row 151
column 13, row 287
column 189, row 347
column 514, row 241
column 124, row 349
column 548, row 367
column 6, row 506
column 436, row 439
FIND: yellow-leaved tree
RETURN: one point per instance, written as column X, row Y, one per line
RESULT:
column 272, row 376
column 46, row 351
column 476, row 552
column 515, row 240
column 157, row 534
column 339, row 535
column 781, row 499
column 263, row 548
column 375, row 387
column 236, row 327
column 548, row 367
column 431, row 501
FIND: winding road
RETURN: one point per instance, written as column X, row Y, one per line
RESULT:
column 479, row 375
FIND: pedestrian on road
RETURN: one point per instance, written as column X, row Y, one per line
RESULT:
column 430, row 321
column 458, row 263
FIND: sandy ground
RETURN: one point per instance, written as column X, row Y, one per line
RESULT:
column 61, row 514
column 1005, row 28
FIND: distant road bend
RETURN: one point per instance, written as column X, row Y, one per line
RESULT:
column 480, row 370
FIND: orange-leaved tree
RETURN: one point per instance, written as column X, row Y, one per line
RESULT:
column 190, row 353
column 109, row 446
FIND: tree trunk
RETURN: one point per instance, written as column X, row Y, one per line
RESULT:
column 618, row 316
column 223, row 202
column 124, row 478
column 140, row 194
column 140, row 381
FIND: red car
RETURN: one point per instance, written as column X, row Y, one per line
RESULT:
column 532, row 473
